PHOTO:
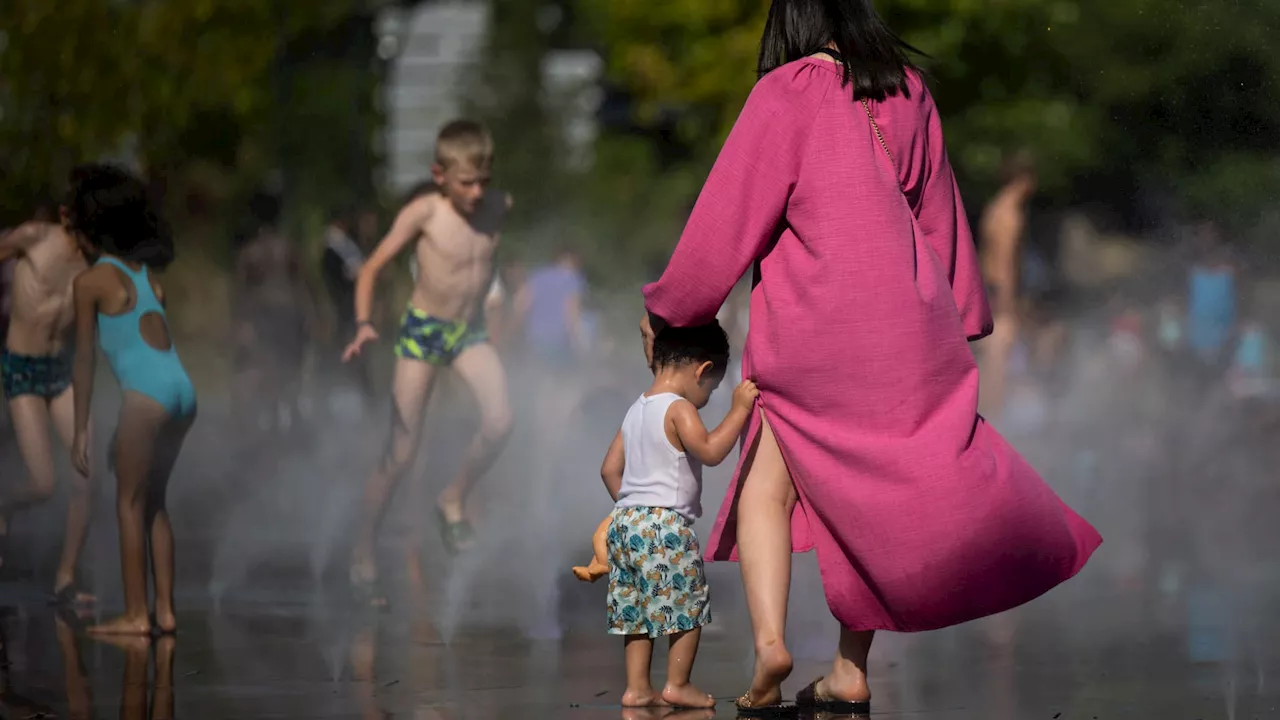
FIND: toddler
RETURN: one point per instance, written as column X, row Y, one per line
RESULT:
column 653, row 471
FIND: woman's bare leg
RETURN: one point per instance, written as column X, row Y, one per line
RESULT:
column 141, row 422
column 159, row 529
column 848, row 677
column 764, row 548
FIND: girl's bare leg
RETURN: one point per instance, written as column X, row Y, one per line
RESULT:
column 764, row 548
column 157, row 518
column 141, row 422
column 162, row 696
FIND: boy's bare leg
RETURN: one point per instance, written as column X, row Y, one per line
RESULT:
column 62, row 411
column 678, row 690
column 30, row 417
column 639, row 656
column 410, row 389
column 481, row 368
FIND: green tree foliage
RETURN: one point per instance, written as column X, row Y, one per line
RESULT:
column 80, row 79
column 1167, row 93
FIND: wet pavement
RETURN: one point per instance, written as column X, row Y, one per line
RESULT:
column 287, row 649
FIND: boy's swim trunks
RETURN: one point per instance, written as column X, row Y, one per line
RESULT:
column 435, row 341
column 46, row 376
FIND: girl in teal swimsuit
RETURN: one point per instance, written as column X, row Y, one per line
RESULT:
column 119, row 303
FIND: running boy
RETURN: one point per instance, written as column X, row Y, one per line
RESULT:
column 455, row 232
column 36, row 370
column 653, row 471
column 118, row 302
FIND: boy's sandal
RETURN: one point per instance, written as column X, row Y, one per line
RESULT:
column 746, row 708
column 454, row 534
column 809, row 697
column 369, row 595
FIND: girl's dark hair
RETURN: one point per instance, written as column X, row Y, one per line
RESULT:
column 110, row 206
column 875, row 59
column 698, row 344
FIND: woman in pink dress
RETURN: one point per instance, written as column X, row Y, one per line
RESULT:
column 834, row 185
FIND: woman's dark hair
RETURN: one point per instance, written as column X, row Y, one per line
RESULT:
column 110, row 206
column 698, row 344
column 875, row 59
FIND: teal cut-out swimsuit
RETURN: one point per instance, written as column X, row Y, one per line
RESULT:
column 158, row 374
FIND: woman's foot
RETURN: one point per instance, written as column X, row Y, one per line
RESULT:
column 773, row 665
column 843, row 689
column 641, row 697
column 123, row 625
column 686, row 696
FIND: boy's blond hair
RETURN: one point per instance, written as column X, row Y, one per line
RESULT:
column 464, row 142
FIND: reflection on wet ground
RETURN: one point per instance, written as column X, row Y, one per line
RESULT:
column 1087, row 651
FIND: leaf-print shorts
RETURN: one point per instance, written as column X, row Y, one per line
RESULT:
column 656, row 583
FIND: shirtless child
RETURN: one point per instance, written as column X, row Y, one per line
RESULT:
column 36, row 370
column 455, row 233
column 1003, row 224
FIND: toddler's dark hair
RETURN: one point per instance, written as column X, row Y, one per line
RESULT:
column 111, row 207
column 698, row 344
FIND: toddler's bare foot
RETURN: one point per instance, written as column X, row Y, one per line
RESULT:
column 641, row 697
column 123, row 625
column 687, row 696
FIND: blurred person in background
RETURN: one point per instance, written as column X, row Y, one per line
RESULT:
column 835, row 183
column 1212, row 300
column 36, row 370
column 340, row 265
column 1001, row 233
column 549, row 309
column 274, row 320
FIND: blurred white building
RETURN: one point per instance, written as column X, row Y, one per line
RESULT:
column 431, row 49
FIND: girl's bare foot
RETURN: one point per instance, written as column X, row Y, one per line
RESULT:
column 773, row 665
column 687, row 696
column 166, row 622
column 641, row 697
column 123, row 625
column 128, row 643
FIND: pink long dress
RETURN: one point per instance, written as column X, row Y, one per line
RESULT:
column 868, row 291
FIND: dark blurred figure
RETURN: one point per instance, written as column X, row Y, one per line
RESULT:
column 274, row 318
column 345, row 240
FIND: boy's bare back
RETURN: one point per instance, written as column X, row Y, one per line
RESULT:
column 455, row 254
column 47, row 263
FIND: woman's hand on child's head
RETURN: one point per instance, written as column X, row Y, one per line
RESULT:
column 80, row 453
column 744, row 396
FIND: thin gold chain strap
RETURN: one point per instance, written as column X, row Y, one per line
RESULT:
column 875, row 126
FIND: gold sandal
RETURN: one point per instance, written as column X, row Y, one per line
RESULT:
column 747, row 708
